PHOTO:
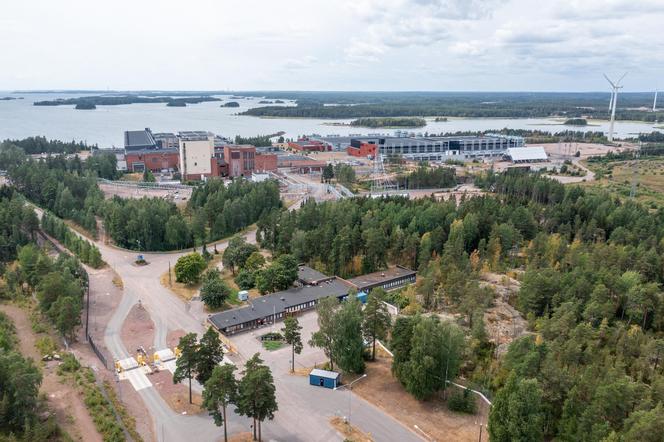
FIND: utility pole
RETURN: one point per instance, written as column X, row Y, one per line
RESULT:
column 170, row 282
column 350, row 393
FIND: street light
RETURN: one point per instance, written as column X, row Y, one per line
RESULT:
column 350, row 392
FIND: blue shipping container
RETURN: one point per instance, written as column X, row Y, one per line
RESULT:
column 324, row 378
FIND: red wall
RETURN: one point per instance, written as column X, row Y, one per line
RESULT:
column 266, row 162
column 364, row 150
column 155, row 161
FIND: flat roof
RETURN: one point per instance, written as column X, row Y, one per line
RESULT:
column 278, row 302
column 138, row 138
column 165, row 151
column 531, row 153
column 309, row 275
column 324, row 373
column 194, row 135
column 381, row 276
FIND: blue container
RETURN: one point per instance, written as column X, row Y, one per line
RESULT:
column 324, row 378
column 362, row 297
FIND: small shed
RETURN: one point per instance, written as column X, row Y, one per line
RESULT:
column 324, row 378
column 243, row 295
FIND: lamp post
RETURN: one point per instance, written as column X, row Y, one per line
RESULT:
column 350, row 393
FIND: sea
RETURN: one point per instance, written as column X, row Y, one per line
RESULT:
column 105, row 125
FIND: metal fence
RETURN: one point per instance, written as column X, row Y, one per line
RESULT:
column 144, row 185
column 98, row 352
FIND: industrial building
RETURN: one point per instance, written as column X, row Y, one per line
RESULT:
column 139, row 140
column 196, row 150
column 532, row 154
column 198, row 155
column 434, row 148
column 308, row 145
column 312, row 286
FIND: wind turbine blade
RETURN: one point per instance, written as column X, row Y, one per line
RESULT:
column 610, row 82
column 618, row 82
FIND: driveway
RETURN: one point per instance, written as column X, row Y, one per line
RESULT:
column 314, row 406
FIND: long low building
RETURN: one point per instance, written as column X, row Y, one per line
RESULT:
column 314, row 286
column 274, row 307
column 532, row 154
column 392, row 278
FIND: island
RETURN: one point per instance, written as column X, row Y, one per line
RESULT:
column 231, row 104
column 440, row 119
column 576, row 122
column 388, row 122
column 265, row 102
column 115, row 100
column 85, row 106
column 177, row 103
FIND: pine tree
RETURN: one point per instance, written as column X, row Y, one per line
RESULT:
column 219, row 392
column 292, row 336
column 377, row 319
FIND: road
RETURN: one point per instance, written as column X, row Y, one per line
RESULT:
column 304, row 411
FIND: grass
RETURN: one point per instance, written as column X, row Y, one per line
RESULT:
column 272, row 345
column 616, row 177
column 183, row 291
column 117, row 281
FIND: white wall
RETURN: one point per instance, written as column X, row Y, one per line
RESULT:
column 198, row 154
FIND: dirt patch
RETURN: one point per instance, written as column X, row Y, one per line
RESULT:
column 183, row 291
column 241, row 437
column 173, row 337
column 384, row 391
column 176, row 395
column 349, row 432
column 138, row 329
column 117, row 281
column 70, row 412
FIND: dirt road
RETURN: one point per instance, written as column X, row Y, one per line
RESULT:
column 70, row 411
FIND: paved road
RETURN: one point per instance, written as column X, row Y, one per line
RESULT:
column 304, row 411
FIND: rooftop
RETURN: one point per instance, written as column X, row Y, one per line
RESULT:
column 533, row 153
column 370, row 279
column 310, row 276
column 324, row 373
column 139, row 139
column 277, row 302
column 194, row 135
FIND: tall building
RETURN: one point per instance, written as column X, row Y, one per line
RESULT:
column 197, row 155
column 240, row 158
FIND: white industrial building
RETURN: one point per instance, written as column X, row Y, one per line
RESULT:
column 196, row 151
column 532, row 154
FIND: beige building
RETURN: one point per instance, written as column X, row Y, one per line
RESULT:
column 196, row 154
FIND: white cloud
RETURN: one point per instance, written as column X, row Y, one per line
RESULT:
column 322, row 44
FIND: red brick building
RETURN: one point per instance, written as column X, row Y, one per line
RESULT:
column 155, row 160
column 265, row 162
column 307, row 145
column 364, row 150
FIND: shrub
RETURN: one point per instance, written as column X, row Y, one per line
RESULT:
column 245, row 280
column 69, row 364
column 462, row 402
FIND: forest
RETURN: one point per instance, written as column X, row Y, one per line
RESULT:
column 455, row 104
column 68, row 188
column 389, row 122
column 591, row 274
column 115, row 100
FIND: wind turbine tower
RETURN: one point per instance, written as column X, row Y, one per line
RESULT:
column 654, row 103
column 614, row 99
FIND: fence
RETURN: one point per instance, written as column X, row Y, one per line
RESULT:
column 86, row 281
column 144, row 185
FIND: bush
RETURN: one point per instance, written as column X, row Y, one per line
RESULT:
column 69, row 364
column 462, row 402
column 214, row 291
column 189, row 267
column 245, row 280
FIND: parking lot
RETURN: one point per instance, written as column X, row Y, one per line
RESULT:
column 249, row 343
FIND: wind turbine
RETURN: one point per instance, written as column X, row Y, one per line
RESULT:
column 614, row 99
column 654, row 103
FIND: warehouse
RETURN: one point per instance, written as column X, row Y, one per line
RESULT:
column 534, row 154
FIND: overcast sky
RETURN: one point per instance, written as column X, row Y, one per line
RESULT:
column 539, row 45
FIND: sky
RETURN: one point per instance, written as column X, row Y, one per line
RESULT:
column 437, row 45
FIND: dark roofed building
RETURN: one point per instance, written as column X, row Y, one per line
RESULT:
column 308, row 276
column 139, row 140
column 277, row 306
column 388, row 279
